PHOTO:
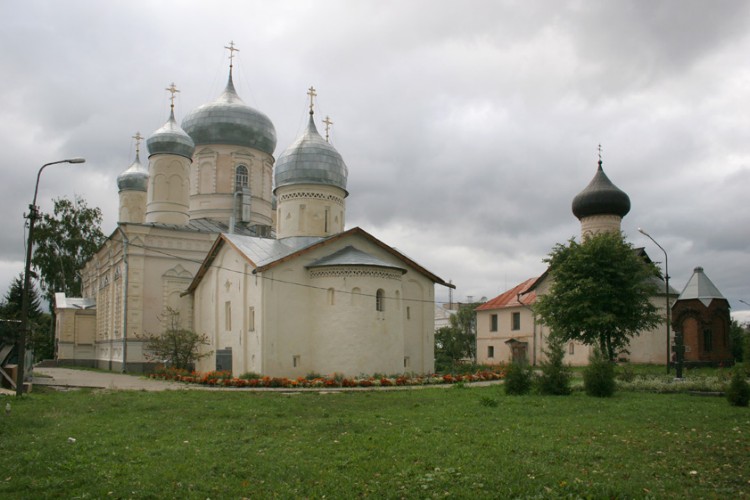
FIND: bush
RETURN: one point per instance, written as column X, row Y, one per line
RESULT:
column 738, row 392
column 599, row 376
column 555, row 376
column 518, row 379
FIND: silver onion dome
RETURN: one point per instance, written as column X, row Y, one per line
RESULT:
column 601, row 197
column 310, row 160
column 171, row 139
column 135, row 178
column 228, row 120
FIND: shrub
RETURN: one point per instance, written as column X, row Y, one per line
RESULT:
column 250, row 376
column 518, row 379
column 488, row 402
column 599, row 376
column 626, row 373
column 555, row 375
column 738, row 392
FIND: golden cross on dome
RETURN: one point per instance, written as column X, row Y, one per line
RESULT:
column 138, row 138
column 231, row 50
column 172, row 90
column 328, row 123
column 311, row 93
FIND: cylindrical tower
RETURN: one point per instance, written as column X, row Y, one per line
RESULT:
column 133, row 185
column 170, row 156
column 310, row 187
column 232, row 170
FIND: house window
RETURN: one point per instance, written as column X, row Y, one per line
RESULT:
column 490, row 351
column 493, row 323
column 571, row 348
column 331, row 297
column 227, row 316
column 515, row 321
column 296, row 360
column 408, row 312
column 380, row 300
column 240, row 177
column 407, row 362
column 708, row 340
column 251, row 319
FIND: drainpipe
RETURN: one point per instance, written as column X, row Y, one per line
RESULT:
column 533, row 319
column 233, row 217
column 125, row 242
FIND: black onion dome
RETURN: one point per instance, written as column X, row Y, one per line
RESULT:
column 228, row 120
column 311, row 160
column 601, row 197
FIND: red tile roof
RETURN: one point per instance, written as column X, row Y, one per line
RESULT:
column 510, row 298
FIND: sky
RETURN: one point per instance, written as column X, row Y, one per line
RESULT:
column 467, row 127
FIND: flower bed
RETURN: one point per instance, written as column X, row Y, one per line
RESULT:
column 225, row 379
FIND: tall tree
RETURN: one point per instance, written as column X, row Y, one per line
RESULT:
column 10, row 314
column 63, row 242
column 600, row 294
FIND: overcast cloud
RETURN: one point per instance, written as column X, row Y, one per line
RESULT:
column 468, row 127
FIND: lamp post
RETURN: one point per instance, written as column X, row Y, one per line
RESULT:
column 27, row 278
column 666, row 294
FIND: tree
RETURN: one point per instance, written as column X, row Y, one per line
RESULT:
column 739, row 337
column 63, row 242
column 176, row 347
column 600, row 294
column 10, row 314
column 554, row 378
column 457, row 341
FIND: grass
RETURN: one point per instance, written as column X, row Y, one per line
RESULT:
column 463, row 442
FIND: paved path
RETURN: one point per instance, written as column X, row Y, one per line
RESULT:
column 67, row 377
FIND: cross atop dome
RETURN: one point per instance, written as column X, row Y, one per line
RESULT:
column 312, row 94
column 138, row 138
column 172, row 89
column 231, row 50
column 328, row 123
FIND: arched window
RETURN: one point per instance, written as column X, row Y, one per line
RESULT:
column 380, row 300
column 331, row 297
column 240, row 177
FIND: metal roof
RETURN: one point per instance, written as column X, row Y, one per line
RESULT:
column 701, row 288
column 135, row 178
column 350, row 256
column 310, row 160
column 171, row 139
column 510, row 297
column 228, row 120
column 601, row 197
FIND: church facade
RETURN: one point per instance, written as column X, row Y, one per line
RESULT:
column 251, row 251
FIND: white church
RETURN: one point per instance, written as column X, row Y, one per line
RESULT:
column 253, row 252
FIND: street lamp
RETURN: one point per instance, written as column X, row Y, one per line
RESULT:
column 27, row 277
column 666, row 294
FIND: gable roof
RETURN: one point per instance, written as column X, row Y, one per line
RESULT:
column 511, row 297
column 266, row 253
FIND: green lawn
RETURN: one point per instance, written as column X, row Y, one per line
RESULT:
column 429, row 443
